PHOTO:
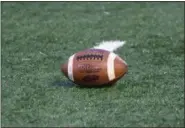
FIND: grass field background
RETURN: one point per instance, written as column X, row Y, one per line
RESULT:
column 37, row 37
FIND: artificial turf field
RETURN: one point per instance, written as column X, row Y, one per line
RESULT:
column 37, row 37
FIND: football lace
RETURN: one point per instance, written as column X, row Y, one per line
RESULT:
column 90, row 57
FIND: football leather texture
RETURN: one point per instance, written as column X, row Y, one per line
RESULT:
column 94, row 67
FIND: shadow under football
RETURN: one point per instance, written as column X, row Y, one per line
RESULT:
column 68, row 83
column 63, row 83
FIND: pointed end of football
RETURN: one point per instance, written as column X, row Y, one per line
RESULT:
column 121, row 67
column 64, row 69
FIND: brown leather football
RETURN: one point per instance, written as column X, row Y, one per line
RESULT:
column 94, row 67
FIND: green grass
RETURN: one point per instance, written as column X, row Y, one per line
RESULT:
column 38, row 37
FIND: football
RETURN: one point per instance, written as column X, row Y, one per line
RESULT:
column 94, row 67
